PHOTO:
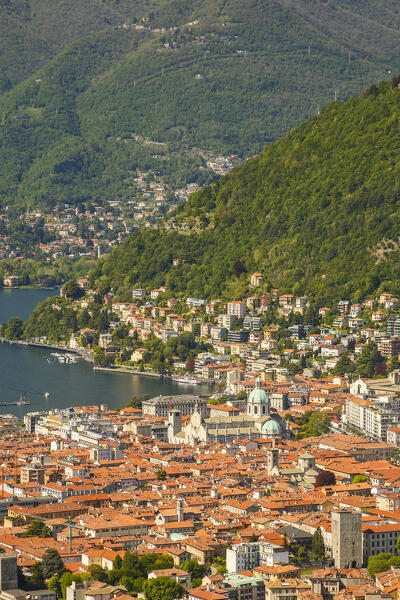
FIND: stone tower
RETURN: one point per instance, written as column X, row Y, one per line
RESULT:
column 174, row 422
column 179, row 509
column 8, row 572
column 347, row 539
column 273, row 461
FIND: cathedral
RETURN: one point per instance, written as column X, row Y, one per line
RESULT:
column 255, row 423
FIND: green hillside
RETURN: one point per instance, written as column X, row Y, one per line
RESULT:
column 227, row 76
column 318, row 212
column 32, row 32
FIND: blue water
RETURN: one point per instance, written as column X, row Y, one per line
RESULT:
column 34, row 371
column 20, row 302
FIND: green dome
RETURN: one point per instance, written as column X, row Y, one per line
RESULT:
column 271, row 427
column 258, row 395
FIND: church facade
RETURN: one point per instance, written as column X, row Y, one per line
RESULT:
column 257, row 422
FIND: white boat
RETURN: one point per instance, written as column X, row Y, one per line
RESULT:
column 185, row 379
column 22, row 401
column 47, row 394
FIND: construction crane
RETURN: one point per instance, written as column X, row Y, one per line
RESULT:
column 71, row 525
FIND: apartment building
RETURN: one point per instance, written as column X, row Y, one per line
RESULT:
column 238, row 309
column 246, row 556
column 373, row 417
column 185, row 403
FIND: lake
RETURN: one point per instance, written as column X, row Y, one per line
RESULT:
column 34, row 372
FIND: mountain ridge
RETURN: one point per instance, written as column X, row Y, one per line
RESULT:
column 317, row 212
column 235, row 79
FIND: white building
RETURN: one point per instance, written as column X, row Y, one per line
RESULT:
column 226, row 321
column 373, row 417
column 238, row 309
column 139, row 293
column 247, row 556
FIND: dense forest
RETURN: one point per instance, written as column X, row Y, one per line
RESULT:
column 85, row 94
column 317, row 212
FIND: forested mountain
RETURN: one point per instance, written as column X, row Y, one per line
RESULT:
column 317, row 212
column 219, row 75
column 32, row 32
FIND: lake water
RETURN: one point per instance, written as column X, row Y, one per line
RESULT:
column 35, row 371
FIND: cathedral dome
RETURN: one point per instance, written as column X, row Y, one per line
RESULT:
column 271, row 427
column 258, row 395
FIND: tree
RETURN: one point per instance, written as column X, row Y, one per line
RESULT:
column 190, row 364
column 151, row 562
column 21, row 579
column 97, row 572
column 117, row 562
column 370, row 361
column 238, row 268
column 14, row 329
column 37, row 528
column 196, row 571
column 361, row 478
column 72, row 290
column 318, row 546
column 344, row 365
column 162, row 588
column 301, row 553
column 317, row 424
column 220, row 565
column 136, row 401
column 65, row 581
column 67, row 578
column 382, row 562
column 54, row 585
column 52, row 563
column 36, row 580
column 161, row 475
column 130, row 561
column 325, row 478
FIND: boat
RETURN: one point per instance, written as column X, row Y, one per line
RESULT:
column 185, row 379
column 21, row 401
column 46, row 394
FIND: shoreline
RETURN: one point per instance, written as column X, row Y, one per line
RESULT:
column 29, row 287
column 85, row 354
column 130, row 371
column 133, row 371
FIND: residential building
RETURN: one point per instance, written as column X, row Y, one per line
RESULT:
column 256, row 279
column 238, row 309
column 139, row 293
column 389, row 347
column 247, row 556
column 285, row 589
